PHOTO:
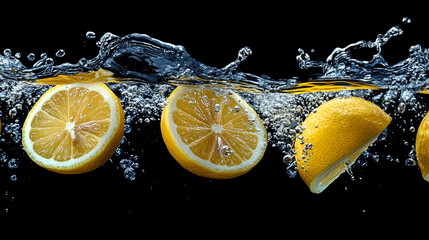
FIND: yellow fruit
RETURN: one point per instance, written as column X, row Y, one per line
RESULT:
column 212, row 136
column 333, row 136
column 99, row 76
column 74, row 128
column 422, row 147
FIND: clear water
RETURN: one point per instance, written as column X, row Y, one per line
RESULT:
column 146, row 71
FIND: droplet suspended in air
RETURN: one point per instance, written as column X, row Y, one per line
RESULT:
column 90, row 35
column 60, row 53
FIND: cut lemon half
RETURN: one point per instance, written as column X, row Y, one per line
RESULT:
column 74, row 128
column 422, row 147
column 212, row 135
column 333, row 136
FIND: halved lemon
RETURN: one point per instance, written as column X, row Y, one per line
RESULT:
column 212, row 135
column 74, row 128
column 333, row 136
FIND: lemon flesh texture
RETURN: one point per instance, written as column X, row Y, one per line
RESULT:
column 219, row 142
column 339, row 131
column 74, row 128
column 422, row 147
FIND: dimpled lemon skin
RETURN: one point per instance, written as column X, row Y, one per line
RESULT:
column 339, row 131
column 422, row 147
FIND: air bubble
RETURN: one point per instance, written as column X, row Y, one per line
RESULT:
column 13, row 177
column 13, row 163
column 216, row 107
column 226, row 151
column 401, row 107
column 410, row 162
column 13, row 112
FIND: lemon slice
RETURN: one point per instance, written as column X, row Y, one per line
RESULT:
column 333, row 136
column 422, row 147
column 74, row 128
column 212, row 136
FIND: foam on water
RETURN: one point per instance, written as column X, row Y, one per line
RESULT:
column 147, row 69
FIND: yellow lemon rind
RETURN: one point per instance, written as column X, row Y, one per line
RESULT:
column 339, row 130
column 422, row 147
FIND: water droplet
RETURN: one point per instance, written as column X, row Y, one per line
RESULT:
column 83, row 62
column 410, row 162
column 237, row 108
column 402, row 107
column 60, row 53
column 406, row 20
column 415, row 48
column 13, row 163
column 291, row 169
column 49, row 61
column 216, row 107
column 12, row 112
column 349, row 169
column 90, row 35
column 130, row 174
column 31, row 57
column 242, row 55
column 7, row 52
column 226, row 151
column 13, row 177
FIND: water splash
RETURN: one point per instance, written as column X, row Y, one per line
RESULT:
column 155, row 66
column 138, row 58
column 411, row 73
column 141, row 59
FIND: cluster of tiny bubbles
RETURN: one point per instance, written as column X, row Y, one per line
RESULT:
column 282, row 115
column 130, row 166
column 16, row 100
column 143, row 105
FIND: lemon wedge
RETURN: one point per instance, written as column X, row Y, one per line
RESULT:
column 333, row 136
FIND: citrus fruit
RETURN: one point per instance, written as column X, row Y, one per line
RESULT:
column 333, row 136
column 73, row 128
column 99, row 76
column 422, row 147
column 212, row 135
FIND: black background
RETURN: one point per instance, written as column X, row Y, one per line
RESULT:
column 165, row 194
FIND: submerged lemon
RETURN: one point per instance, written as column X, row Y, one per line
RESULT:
column 74, row 128
column 212, row 136
column 333, row 136
column 422, row 147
